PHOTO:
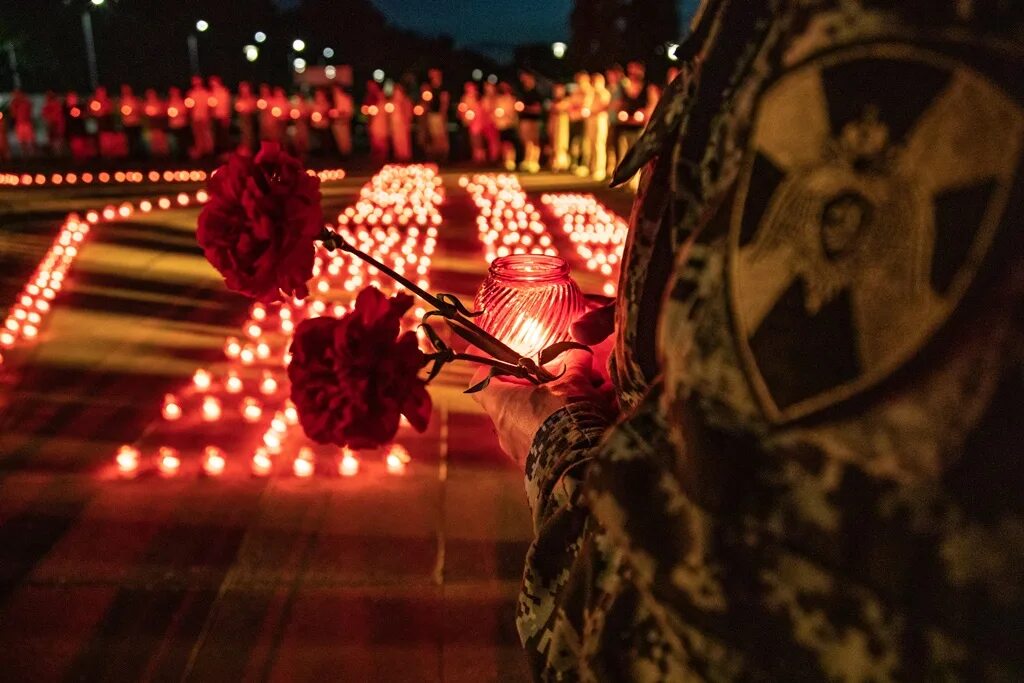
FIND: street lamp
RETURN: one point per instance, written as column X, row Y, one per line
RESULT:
column 202, row 25
column 90, row 45
column 298, row 45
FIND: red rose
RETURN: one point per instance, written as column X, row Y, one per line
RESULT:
column 353, row 377
column 260, row 223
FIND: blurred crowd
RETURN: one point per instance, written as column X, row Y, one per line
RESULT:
column 581, row 127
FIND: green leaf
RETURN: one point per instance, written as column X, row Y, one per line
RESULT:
column 555, row 350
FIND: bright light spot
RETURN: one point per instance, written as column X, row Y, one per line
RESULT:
column 202, row 25
column 261, row 463
column 214, row 461
column 478, row 75
column 127, row 457
column 672, row 50
column 558, row 49
column 378, row 75
column 298, row 45
column 299, row 64
column 328, row 52
column 168, row 462
column 252, row 53
column 330, row 72
column 493, row 79
column 260, row 37
column 97, row 2
column 349, row 464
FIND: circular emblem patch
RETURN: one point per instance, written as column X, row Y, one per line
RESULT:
column 875, row 182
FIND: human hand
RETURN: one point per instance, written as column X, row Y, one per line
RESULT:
column 518, row 409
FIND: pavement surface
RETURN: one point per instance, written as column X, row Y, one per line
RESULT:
column 374, row 578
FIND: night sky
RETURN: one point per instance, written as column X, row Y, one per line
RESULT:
column 491, row 26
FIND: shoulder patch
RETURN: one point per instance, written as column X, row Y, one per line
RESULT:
column 874, row 183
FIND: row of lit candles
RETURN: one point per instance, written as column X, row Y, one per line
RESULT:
column 126, row 177
column 598, row 234
column 507, row 222
column 103, row 178
column 214, row 463
column 34, row 301
column 253, row 386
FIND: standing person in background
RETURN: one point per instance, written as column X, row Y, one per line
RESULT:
column 492, row 141
column 198, row 103
column 578, row 124
column 613, row 80
column 24, row 126
column 507, row 124
column 400, row 123
column 220, row 105
column 376, row 122
column 279, row 111
column 178, row 123
column 245, row 108
column 558, row 128
column 599, row 115
column 437, row 103
column 5, row 149
column 320, row 122
column 342, row 111
column 268, row 124
column 633, row 111
column 589, row 124
column 101, row 110
column 471, row 113
column 131, row 122
column 156, row 124
column 531, row 113
column 56, row 124
column 298, row 116
column 79, row 142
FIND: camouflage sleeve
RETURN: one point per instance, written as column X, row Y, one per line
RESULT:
column 559, row 456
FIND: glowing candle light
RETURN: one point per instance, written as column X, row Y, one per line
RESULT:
column 214, row 461
column 232, row 347
column 211, row 409
column 305, row 464
column 529, row 301
column 397, row 459
column 348, row 466
column 272, row 440
column 168, row 462
column 202, row 379
column 251, row 410
column 172, row 409
column 261, row 465
column 127, row 460
column 233, row 384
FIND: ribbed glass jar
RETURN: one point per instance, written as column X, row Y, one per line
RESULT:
column 529, row 301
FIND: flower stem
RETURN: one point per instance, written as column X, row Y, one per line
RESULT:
column 460, row 324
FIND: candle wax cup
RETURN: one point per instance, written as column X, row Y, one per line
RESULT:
column 529, row 301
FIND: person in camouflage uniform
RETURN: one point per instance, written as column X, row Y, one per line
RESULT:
column 818, row 361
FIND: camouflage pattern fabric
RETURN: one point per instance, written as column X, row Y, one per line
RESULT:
column 816, row 474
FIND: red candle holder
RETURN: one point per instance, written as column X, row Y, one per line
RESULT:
column 529, row 301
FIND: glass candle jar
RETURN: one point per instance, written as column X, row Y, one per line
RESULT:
column 529, row 301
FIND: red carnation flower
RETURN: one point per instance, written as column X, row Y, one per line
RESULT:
column 353, row 377
column 260, row 223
